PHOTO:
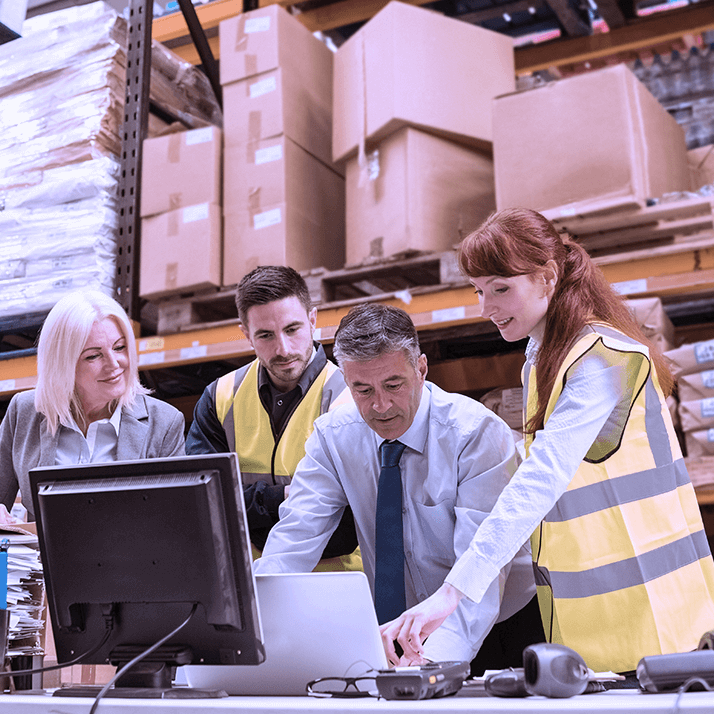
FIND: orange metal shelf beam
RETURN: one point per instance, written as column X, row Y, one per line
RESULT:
column 688, row 272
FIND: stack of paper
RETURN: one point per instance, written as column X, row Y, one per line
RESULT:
column 25, row 593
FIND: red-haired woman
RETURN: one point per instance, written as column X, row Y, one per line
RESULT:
column 622, row 563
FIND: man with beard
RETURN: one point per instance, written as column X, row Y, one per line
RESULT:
column 265, row 410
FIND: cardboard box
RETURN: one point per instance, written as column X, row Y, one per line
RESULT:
column 426, row 195
column 699, row 385
column 281, row 207
column 181, row 169
column 700, row 443
column 181, row 251
column 701, row 165
column 696, row 415
column 654, row 321
column 277, row 79
column 592, row 142
column 691, row 357
column 409, row 65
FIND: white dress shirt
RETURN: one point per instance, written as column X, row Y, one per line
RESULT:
column 594, row 387
column 458, row 459
column 99, row 446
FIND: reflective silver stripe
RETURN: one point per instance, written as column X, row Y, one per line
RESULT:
column 631, row 571
column 654, row 424
column 615, row 491
column 333, row 387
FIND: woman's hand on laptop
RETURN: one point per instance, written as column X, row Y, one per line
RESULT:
column 412, row 627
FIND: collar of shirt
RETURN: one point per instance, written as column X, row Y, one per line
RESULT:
column 415, row 436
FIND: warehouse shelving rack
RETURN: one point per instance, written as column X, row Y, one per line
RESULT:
column 679, row 271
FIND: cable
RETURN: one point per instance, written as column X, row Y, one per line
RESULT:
column 139, row 657
column 685, row 687
column 109, row 622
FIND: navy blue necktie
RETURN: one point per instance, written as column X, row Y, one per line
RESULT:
column 390, row 600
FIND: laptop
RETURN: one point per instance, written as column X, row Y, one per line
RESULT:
column 314, row 625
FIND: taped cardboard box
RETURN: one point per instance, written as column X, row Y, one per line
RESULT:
column 701, row 165
column 691, row 357
column 409, row 65
column 420, row 192
column 281, row 207
column 277, row 79
column 696, row 415
column 654, row 321
column 593, row 142
column 181, row 251
column 181, row 169
column 698, row 385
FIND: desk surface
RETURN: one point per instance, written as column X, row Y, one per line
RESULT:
column 612, row 702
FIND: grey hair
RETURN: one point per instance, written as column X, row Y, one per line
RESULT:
column 372, row 330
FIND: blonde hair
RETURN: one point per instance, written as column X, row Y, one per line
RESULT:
column 62, row 339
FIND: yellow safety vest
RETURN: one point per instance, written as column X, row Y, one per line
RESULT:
column 622, row 563
column 251, row 436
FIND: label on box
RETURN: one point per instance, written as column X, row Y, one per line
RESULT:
column 152, row 343
column 708, row 378
column 707, row 407
column 151, row 358
column 194, row 352
column 265, row 86
column 567, row 212
column 195, row 213
column 7, row 385
column 267, row 218
column 710, row 435
column 199, row 136
column 630, row 287
column 268, row 154
column 257, row 24
column 449, row 313
column 704, row 351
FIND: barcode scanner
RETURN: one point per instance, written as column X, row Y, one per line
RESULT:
column 549, row 670
column 553, row 670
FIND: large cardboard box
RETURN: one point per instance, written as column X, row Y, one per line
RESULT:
column 277, row 79
column 696, row 415
column 592, row 142
column 409, row 65
column 427, row 194
column 281, row 207
column 181, row 169
column 180, row 251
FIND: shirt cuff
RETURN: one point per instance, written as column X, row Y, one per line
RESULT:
column 472, row 575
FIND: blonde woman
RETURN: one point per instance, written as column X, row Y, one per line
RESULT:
column 89, row 405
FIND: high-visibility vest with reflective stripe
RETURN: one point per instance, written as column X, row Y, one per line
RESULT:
column 622, row 563
column 250, row 434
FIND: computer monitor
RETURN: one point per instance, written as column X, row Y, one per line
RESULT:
column 133, row 546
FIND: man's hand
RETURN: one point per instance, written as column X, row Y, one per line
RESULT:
column 412, row 627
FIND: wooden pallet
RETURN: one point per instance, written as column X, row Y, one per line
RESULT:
column 414, row 273
column 605, row 232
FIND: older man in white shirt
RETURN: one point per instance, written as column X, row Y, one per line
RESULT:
column 457, row 457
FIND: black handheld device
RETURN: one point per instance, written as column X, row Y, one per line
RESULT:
column 426, row 681
column 668, row 672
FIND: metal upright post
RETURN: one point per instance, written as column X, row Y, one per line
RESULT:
column 136, row 119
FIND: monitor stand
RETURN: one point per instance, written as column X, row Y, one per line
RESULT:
column 150, row 678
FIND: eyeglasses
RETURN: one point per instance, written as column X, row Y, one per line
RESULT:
column 343, row 687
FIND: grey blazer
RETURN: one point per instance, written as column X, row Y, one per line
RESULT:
column 150, row 429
